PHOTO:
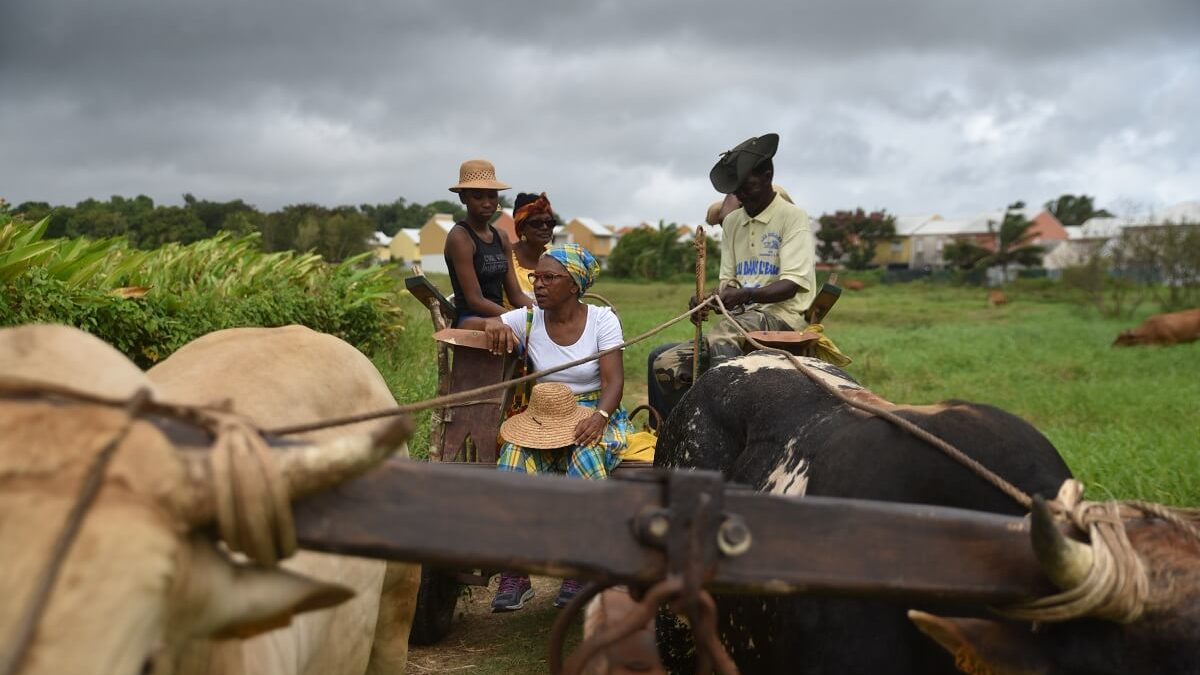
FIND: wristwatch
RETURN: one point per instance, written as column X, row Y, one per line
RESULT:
column 602, row 413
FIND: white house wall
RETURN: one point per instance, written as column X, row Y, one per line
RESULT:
column 434, row 262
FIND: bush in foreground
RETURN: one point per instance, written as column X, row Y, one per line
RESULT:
column 150, row 303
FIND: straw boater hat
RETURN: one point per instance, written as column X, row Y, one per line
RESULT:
column 477, row 174
column 549, row 421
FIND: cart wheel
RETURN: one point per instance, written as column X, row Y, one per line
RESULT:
column 436, row 600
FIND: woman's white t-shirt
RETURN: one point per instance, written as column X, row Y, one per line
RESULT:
column 602, row 331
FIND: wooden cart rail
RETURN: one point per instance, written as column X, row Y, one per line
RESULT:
column 636, row 531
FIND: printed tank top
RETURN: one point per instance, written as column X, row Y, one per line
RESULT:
column 490, row 265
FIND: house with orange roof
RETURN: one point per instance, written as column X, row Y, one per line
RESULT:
column 591, row 235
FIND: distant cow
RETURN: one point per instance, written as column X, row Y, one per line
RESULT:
column 996, row 298
column 855, row 285
column 1163, row 329
column 763, row 424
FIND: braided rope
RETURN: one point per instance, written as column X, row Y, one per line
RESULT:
column 1116, row 587
column 253, row 505
column 472, row 394
column 254, row 511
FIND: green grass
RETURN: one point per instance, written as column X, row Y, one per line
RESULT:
column 1124, row 419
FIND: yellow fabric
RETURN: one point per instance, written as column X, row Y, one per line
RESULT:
column 522, row 279
column 640, row 447
column 522, row 276
column 776, row 244
column 824, row 348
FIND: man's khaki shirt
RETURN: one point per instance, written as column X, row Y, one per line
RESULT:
column 776, row 244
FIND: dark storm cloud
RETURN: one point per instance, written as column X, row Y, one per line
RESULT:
column 617, row 109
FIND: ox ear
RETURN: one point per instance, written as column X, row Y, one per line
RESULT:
column 223, row 599
column 982, row 647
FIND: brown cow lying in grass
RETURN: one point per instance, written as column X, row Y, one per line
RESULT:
column 996, row 298
column 1163, row 329
column 855, row 285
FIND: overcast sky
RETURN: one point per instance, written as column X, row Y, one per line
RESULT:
column 616, row 109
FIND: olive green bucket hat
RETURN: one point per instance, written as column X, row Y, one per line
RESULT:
column 733, row 167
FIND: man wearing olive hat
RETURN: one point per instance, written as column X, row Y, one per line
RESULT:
column 768, row 267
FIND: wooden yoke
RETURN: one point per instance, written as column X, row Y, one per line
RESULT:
column 636, row 531
column 479, row 420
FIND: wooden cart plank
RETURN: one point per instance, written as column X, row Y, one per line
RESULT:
column 562, row 527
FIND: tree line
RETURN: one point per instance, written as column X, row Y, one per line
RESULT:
column 334, row 232
column 851, row 238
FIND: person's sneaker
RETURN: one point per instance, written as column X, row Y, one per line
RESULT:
column 567, row 592
column 514, row 591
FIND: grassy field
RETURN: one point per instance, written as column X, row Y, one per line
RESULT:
column 1125, row 419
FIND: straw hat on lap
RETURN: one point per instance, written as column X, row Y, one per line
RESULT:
column 549, row 421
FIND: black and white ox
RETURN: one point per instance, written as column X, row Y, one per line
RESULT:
column 764, row 424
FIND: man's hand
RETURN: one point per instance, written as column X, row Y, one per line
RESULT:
column 500, row 338
column 700, row 316
column 735, row 297
column 589, row 431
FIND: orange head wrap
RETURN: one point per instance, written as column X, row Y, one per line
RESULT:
column 538, row 206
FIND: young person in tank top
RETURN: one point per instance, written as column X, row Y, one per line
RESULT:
column 477, row 254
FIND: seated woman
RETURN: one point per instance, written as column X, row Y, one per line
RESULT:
column 562, row 328
column 477, row 254
column 534, row 221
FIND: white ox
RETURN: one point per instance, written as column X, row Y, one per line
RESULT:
column 141, row 590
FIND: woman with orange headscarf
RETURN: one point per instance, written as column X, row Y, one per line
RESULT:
column 534, row 221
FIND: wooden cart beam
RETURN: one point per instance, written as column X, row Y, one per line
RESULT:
column 606, row 531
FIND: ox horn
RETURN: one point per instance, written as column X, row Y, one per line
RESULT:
column 304, row 469
column 1066, row 561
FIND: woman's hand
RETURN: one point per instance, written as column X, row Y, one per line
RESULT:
column 500, row 338
column 589, row 431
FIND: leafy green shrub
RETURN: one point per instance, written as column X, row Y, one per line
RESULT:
column 150, row 303
column 647, row 253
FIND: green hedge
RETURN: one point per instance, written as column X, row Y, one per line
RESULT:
column 150, row 303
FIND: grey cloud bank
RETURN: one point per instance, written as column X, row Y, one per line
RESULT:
column 616, row 109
